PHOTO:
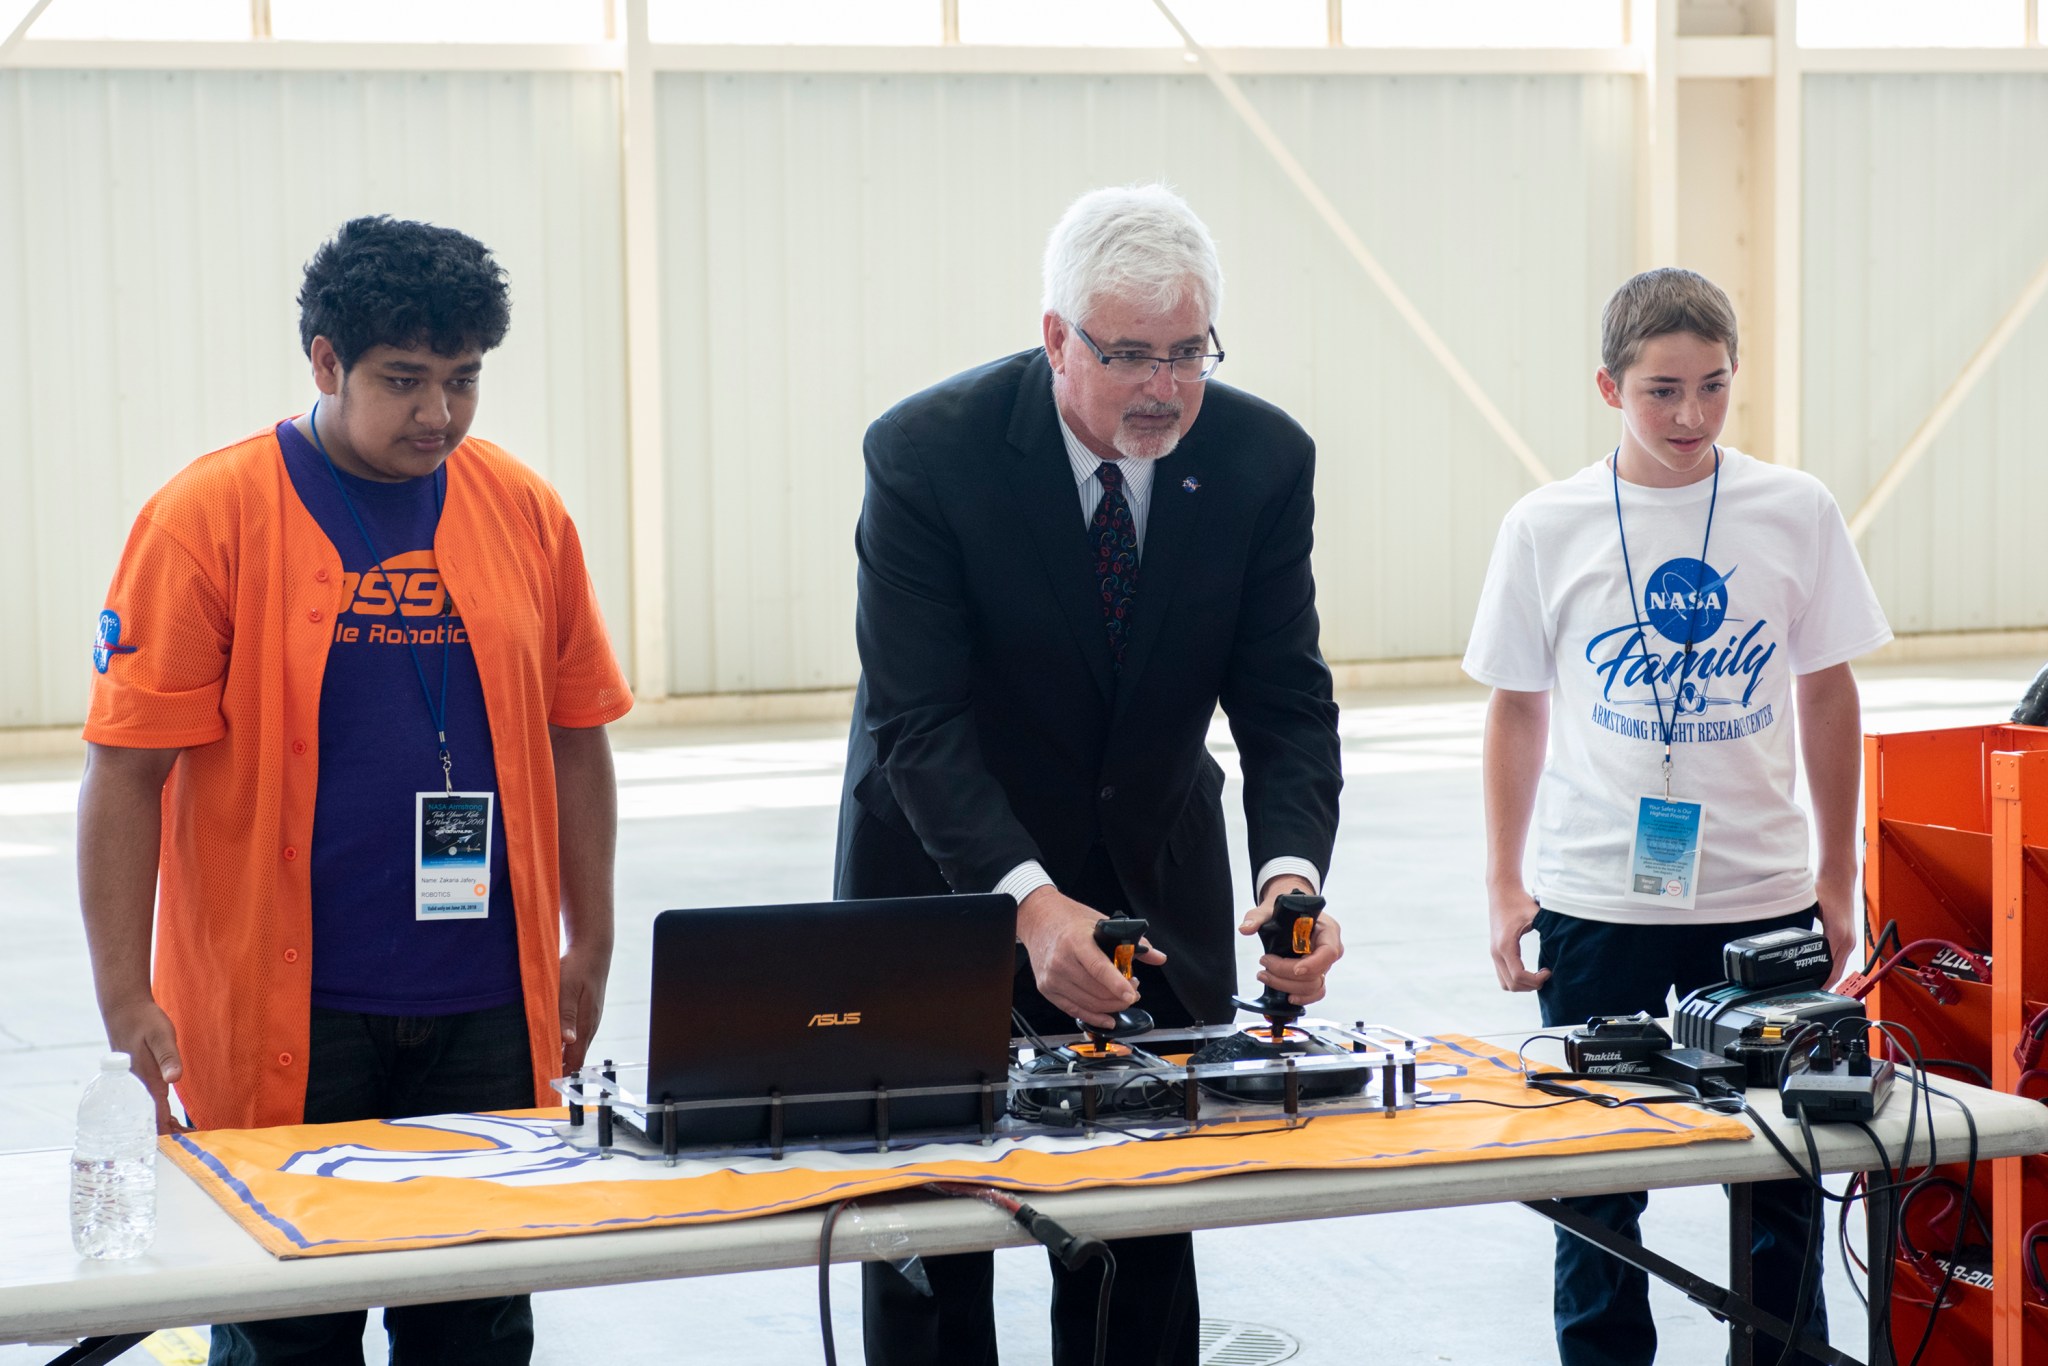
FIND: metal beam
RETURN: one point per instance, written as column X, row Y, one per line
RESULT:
column 1653, row 33
column 21, row 26
column 289, row 54
column 1352, row 243
column 1945, row 407
column 1787, row 228
column 646, row 453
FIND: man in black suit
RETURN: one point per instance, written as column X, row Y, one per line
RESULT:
column 1061, row 575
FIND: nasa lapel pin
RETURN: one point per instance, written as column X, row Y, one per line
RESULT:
column 1191, row 483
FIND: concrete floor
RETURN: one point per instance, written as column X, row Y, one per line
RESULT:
column 739, row 815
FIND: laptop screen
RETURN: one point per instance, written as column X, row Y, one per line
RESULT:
column 830, row 996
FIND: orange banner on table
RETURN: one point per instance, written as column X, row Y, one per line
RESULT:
column 316, row 1190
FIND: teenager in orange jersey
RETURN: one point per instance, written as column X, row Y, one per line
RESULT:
column 347, row 737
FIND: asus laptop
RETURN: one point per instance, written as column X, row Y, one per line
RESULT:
column 830, row 996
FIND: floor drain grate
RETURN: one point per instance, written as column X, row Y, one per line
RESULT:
column 1227, row 1343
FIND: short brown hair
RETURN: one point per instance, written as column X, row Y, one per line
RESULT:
column 1657, row 303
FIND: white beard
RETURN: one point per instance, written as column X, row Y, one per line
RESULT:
column 1138, row 446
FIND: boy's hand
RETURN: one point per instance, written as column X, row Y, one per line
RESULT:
column 1838, row 922
column 1512, row 911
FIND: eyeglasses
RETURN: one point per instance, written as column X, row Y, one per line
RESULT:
column 1135, row 369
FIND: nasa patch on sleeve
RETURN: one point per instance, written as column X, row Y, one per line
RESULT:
column 106, row 641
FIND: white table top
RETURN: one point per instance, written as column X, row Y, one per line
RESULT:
column 204, row 1269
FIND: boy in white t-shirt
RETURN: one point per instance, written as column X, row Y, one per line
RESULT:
column 1664, row 623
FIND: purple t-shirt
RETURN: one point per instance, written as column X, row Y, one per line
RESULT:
column 378, row 749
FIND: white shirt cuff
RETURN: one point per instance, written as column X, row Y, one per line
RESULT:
column 1282, row 867
column 1026, row 878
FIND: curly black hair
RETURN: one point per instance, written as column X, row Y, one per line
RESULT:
column 385, row 281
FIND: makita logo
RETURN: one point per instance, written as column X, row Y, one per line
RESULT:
column 845, row 1017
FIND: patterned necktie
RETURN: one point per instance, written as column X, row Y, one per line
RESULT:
column 1113, row 538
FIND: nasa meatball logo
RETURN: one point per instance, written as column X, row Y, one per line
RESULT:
column 1685, row 601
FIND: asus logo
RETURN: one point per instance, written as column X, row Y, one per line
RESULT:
column 843, row 1018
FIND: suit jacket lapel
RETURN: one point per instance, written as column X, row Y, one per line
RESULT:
column 1047, row 504
column 1173, row 529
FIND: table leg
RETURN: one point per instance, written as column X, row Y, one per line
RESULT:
column 1741, row 1271
column 1880, row 1217
column 98, row 1351
column 1737, row 1309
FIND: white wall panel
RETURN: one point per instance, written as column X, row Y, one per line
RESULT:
column 152, row 231
column 833, row 243
column 1926, row 212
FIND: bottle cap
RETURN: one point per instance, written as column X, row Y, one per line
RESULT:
column 114, row 1062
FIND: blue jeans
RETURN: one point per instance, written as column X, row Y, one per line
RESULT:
column 396, row 1067
column 1601, row 1304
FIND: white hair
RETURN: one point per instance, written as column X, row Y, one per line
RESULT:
column 1136, row 242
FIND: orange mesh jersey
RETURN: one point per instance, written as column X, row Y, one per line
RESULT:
column 225, row 600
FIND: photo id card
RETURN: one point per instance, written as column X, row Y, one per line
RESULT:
column 1666, row 863
column 452, row 856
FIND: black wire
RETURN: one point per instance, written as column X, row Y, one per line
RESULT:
column 1555, row 1084
column 1880, row 1283
column 825, row 1280
column 1802, row 1302
column 1983, row 1077
column 1962, row 1215
column 1102, row 1294
column 1925, row 1091
column 1024, row 1028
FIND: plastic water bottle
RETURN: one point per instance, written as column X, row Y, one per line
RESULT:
column 113, row 1164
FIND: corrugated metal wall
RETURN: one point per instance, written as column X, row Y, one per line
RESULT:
column 833, row 243
column 152, row 230
column 830, row 244
column 1926, row 211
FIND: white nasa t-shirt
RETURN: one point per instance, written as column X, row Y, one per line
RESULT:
column 1782, row 593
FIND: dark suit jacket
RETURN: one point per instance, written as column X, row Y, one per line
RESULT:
column 990, row 727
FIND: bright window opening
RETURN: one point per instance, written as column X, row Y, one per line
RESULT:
column 1483, row 23
column 439, row 21
column 892, row 23
column 1912, row 23
column 156, row 20
column 1138, row 23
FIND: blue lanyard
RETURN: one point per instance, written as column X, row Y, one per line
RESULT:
column 437, row 711
column 1664, row 728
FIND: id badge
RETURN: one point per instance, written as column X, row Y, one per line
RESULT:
column 452, row 856
column 1665, row 865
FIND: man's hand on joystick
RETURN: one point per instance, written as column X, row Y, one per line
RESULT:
column 1120, row 936
column 1071, row 969
column 1288, row 934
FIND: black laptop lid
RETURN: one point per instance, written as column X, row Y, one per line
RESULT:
column 830, row 996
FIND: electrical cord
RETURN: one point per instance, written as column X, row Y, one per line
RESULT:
column 1921, row 1094
column 1802, row 1301
column 1879, row 1272
column 1936, row 982
column 832, row 1214
column 1925, row 1091
column 2030, row 1242
column 1977, row 1074
column 1962, row 1218
column 1073, row 1252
